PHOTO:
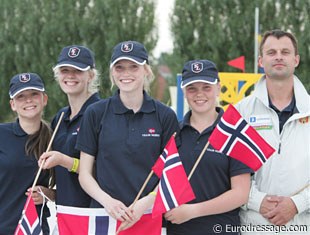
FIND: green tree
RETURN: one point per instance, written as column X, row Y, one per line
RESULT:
column 33, row 32
column 223, row 30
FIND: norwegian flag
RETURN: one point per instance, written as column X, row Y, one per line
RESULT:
column 174, row 188
column 160, row 163
column 29, row 223
column 96, row 221
column 234, row 137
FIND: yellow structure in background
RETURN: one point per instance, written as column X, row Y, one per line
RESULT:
column 231, row 92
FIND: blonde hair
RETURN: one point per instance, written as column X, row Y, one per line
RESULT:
column 148, row 79
column 93, row 86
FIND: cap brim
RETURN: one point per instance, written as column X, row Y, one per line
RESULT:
column 78, row 66
column 132, row 58
column 209, row 80
column 26, row 88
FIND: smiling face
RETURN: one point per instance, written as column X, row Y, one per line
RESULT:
column 129, row 76
column 29, row 104
column 73, row 81
column 202, row 97
column 278, row 58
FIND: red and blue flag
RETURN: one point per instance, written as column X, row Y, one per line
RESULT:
column 174, row 188
column 29, row 223
column 234, row 137
column 96, row 221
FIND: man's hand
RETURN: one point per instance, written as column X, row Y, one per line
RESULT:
column 284, row 211
column 267, row 205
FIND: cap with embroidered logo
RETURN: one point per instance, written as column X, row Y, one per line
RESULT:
column 129, row 50
column 78, row 57
column 199, row 71
column 25, row 81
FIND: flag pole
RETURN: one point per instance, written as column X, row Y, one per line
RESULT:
column 145, row 183
column 198, row 160
column 256, row 26
column 140, row 192
column 302, row 189
column 142, row 188
column 48, row 149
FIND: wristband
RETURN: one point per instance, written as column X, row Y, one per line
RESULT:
column 153, row 193
column 75, row 165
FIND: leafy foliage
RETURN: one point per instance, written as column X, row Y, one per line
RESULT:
column 223, row 30
column 33, row 32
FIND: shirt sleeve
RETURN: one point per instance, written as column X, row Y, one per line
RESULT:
column 87, row 138
column 238, row 168
column 302, row 200
column 170, row 126
column 256, row 197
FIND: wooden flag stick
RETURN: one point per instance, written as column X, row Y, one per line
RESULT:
column 140, row 192
column 302, row 189
column 198, row 160
column 48, row 149
column 142, row 188
column 145, row 183
column 138, row 196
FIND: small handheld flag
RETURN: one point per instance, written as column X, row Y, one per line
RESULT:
column 174, row 188
column 234, row 137
column 29, row 223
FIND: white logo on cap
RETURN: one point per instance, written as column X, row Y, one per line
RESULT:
column 127, row 47
column 74, row 52
column 25, row 77
column 197, row 67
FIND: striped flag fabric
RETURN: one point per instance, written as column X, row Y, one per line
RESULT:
column 174, row 188
column 29, row 223
column 96, row 221
column 160, row 163
column 234, row 137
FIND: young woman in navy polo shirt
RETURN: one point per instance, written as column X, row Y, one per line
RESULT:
column 220, row 183
column 78, row 78
column 124, row 135
column 21, row 144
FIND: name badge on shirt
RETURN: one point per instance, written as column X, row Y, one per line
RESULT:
column 261, row 122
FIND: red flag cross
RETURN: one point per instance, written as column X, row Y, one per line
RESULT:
column 234, row 137
column 174, row 188
column 29, row 223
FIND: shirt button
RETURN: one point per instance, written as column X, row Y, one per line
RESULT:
column 133, row 129
column 198, row 142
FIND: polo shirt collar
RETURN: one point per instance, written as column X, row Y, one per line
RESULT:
column 17, row 129
column 186, row 120
column 119, row 107
column 291, row 108
column 93, row 98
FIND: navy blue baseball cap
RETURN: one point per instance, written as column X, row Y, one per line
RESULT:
column 199, row 71
column 78, row 57
column 129, row 50
column 25, row 81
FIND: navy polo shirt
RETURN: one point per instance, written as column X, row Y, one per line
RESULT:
column 210, row 179
column 17, row 173
column 69, row 192
column 125, row 144
column 286, row 113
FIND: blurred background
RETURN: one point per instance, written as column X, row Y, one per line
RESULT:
column 33, row 32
